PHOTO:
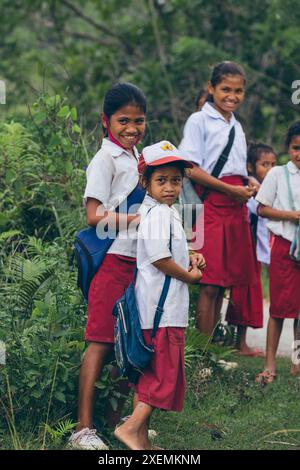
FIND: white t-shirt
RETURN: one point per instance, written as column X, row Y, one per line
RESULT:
column 111, row 176
column 205, row 136
column 274, row 193
column 154, row 244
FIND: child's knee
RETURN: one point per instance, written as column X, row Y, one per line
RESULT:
column 212, row 292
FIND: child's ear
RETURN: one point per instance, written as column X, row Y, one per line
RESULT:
column 250, row 169
column 103, row 120
column 144, row 182
column 210, row 88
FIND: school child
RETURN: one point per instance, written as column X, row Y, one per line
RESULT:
column 275, row 204
column 161, row 250
column 246, row 303
column 228, row 245
column 111, row 176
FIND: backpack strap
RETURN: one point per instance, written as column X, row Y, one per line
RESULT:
column 162, row 299
column 291, row 199
column 221, row 160
column 160, row 307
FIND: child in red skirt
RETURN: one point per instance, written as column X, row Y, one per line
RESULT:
column 246, row 303
column 228, row 246
column 274, row 203
column 162, row 384
column 111, row 176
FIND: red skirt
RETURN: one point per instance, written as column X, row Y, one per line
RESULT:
column 229, row 248
column 162, row 384
column 284, row 281
column 245, row 306
column 108, row 285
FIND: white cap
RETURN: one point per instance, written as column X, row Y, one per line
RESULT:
column 163, row 152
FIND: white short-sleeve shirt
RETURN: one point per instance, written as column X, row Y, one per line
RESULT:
column 111, row 176
column 205, row 136
column 274, row 193
column 153, row 245
column 262, row 234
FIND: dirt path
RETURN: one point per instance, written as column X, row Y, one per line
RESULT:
column 257, row 337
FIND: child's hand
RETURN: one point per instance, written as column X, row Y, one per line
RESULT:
column 294, row 216
column 241, row 193
column 194, row 275
column 196, row 259
column 254, row 184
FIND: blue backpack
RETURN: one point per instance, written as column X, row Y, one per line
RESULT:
column 131, row 352
column 90, row 250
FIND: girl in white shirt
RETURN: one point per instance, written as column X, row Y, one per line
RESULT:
column 228, row 245
column 111, row 176
column 162, row 384
column 274, row 203
column 246, row 303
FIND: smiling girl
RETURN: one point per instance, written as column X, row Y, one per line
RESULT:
column 228, row 246
column 111, row 176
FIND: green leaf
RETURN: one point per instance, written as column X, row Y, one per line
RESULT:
column 63, row 112
column 40, row 117
column 76, row 129
column 74, row 114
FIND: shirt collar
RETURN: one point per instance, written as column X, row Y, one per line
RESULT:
column 151, row 202
column 293, row 169
column 211, row 111
column 115, row 150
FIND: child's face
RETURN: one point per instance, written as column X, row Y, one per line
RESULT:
column 165, row 185
column 127, row 125
column 294, row 150
column 263, row 165
column 228, row 94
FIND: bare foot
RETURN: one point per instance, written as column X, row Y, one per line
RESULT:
column 129, row 437
column 247, row 351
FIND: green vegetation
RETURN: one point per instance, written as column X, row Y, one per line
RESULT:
column 57, row 60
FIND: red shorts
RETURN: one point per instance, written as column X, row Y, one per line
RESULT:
column 245, row 306
column 229, row 249
column 162, row 384
column 284, row 281
column 108, row 285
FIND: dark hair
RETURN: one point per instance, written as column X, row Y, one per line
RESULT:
column 293, row 130
column 203, row 93
column 122, row 94
column 223, row 69
column 255, row 151
column 149, row 170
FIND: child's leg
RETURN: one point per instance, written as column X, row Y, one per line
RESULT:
column 242, row 346
column 206, row 308
column 91, row 368
column 132, row 432
column 295, row 369
column 273, row 336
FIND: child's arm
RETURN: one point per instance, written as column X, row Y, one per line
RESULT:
column 170, row 268
column 241, row 193
column 96, row 212
column 276, row 214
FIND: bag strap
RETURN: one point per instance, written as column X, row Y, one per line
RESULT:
column 291, row 199
column 162, row 299
column 221, row 160
column 163, row 295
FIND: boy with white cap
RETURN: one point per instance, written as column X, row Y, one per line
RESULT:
column 161, row 250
